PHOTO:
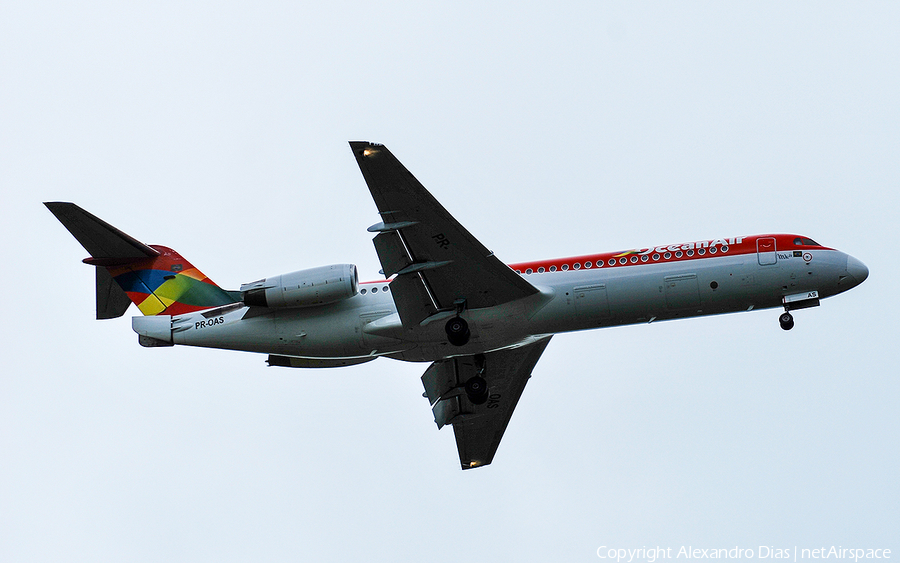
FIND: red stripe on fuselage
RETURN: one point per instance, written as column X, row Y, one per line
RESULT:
column 697, row 250
column 688, row 251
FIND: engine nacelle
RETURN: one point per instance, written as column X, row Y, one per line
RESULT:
column 306, row 288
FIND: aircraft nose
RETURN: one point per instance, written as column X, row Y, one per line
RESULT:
column 857, row 270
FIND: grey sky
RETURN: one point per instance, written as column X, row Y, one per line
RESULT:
column 220, row 130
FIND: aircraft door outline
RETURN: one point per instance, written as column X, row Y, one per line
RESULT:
column 766, row 251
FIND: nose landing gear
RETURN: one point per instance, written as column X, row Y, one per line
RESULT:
column 803, row 300
column 786, row 320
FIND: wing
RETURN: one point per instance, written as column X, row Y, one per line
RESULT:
column 478, row 425
column 439, row 265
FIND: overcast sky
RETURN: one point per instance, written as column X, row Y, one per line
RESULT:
column 548, row 129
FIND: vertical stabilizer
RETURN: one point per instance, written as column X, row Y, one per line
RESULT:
column 155, row 278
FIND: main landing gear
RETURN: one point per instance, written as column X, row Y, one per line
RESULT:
column 457, row 331
column 457, row 328
column 786, row 320
column 477, row 390
column 476, row 387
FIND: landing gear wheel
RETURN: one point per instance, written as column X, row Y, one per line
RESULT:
column 457, row 331
column 786, row 320
column 477, row 390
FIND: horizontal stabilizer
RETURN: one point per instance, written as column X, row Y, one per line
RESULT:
column 98, row 237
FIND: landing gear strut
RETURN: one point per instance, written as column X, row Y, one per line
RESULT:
column 786, row 320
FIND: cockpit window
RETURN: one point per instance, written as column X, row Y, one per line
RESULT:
column 803, row 241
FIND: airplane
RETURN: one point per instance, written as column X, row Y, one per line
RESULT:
column 446, row 299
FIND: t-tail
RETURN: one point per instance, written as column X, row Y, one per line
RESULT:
column 155, row 278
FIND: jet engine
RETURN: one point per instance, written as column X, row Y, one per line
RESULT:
column 306, row 288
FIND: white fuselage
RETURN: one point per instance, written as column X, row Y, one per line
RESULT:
column 368, row 325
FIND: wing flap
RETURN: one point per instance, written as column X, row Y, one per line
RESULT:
column 414, row 304
column 446, row 411
column 439, row 379
column 390, row 252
